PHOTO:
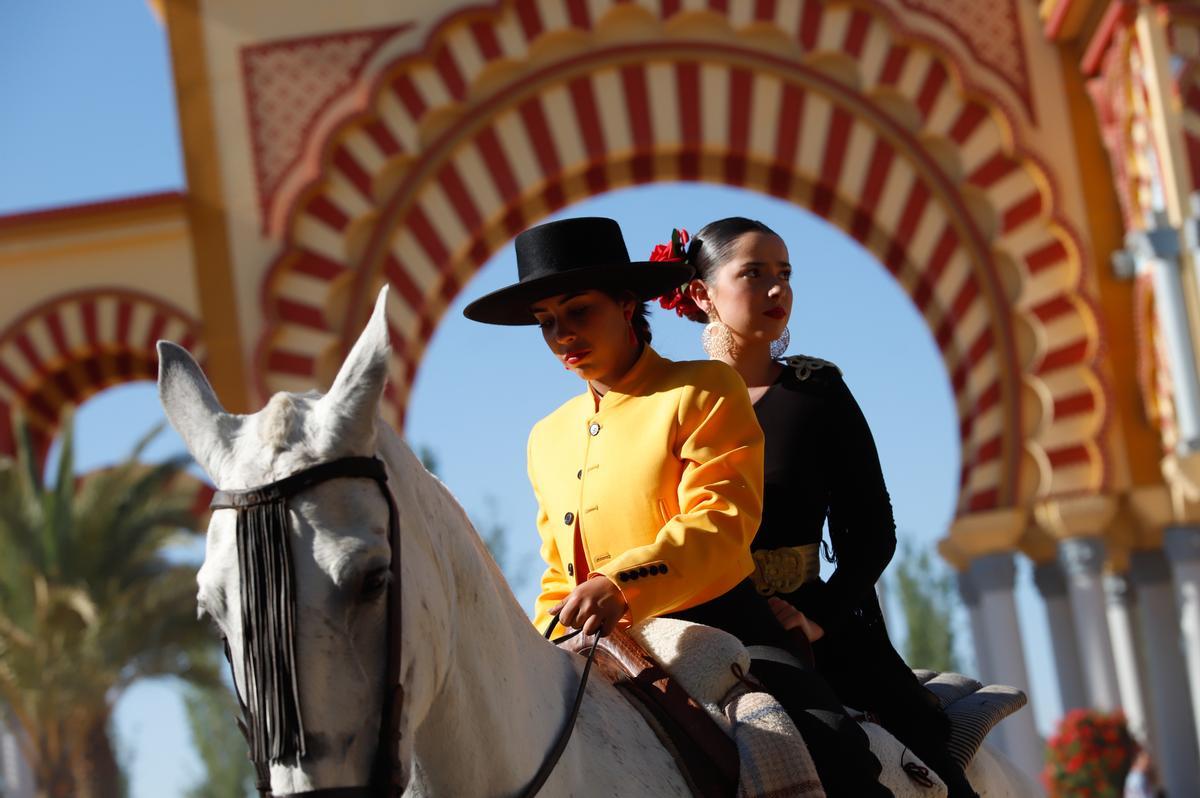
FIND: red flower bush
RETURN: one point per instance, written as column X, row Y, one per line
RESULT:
column 1089, row 755
column 677, row 299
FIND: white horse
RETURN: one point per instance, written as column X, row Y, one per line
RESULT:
column 485, row 696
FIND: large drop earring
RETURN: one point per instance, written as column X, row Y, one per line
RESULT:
column 780, row 344
column 717, row 338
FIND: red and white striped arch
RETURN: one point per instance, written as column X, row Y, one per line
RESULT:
column 75, row 345
column 512, row 112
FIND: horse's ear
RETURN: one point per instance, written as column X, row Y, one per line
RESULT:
column 348, row 411
column 192, row 407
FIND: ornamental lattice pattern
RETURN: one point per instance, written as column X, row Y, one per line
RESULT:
column 288, row 85
column 992, row 29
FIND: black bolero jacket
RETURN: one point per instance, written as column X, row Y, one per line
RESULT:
column 821, row 462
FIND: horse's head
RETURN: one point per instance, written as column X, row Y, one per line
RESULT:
column 330, row 643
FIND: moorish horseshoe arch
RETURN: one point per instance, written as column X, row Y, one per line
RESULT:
column 506, row 115
column 75, row 345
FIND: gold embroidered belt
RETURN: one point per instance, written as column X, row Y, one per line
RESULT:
column 784, row 570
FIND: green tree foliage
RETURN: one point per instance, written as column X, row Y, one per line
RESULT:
column 89, row 604
column 228, row 772
column 926, row 592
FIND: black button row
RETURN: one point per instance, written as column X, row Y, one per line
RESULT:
column 645, row 570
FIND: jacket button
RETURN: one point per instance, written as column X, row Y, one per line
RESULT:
column 624, row 577
column 569, row 518
column 654, row 570
column 662, row 569
column 579, row 474
column 594, row 429
column 570, row 569
column 643, row 571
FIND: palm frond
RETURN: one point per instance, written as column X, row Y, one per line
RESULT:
column 139, row 448
column 26, row 452
column 62, row 497
column 12, row 634
column 90, row 597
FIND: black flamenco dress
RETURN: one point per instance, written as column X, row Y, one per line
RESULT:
column 821, row 463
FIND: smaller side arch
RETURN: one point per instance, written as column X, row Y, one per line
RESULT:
column 75, row 345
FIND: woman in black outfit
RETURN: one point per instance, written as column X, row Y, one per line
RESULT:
column 820, row 462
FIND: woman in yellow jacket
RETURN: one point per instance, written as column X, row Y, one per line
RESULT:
column 649, row 484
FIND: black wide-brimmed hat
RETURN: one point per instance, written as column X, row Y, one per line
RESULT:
column 574, row 255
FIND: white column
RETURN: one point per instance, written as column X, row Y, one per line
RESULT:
column 1122, row 626
column 970, row 598
column 1172, row 731
column 1082, row 559
column 1182, row 545
column 1052, row 585
column 993, row 576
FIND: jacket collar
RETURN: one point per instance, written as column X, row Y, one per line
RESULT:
column 649, row 365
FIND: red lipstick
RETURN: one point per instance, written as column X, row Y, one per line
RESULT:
column 573, row 358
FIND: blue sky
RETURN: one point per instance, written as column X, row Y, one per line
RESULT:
column 89, row 114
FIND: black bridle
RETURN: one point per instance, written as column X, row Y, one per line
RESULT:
column 271, row 719
column 272, row 722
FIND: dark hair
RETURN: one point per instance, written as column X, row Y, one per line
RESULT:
column 714, row 242
column 641, row 314
column 710, row 247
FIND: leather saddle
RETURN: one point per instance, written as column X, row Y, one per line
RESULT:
column 707, row 756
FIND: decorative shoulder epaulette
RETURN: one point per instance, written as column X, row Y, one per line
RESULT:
column 806, row 365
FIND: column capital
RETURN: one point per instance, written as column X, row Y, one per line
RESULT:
column 1050, row 580
column 1076, row 516
column 951, row 553
column 994, row 572
column 1182, row 543
column 1151, row 507
column 1149, row 567
column 1082, row 556
column 980, row 534
column 1038, row 545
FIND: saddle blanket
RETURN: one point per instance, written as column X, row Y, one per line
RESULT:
column 707, row 662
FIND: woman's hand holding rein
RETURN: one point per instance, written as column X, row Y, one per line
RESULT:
column 594, row 605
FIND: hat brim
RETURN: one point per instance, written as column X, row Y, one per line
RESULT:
column 510, row 305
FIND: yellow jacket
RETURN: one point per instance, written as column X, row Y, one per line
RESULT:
column 664, row 479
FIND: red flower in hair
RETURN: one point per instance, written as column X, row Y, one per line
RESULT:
column 677, row 299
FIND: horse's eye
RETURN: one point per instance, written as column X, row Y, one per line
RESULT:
column 375, row 583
